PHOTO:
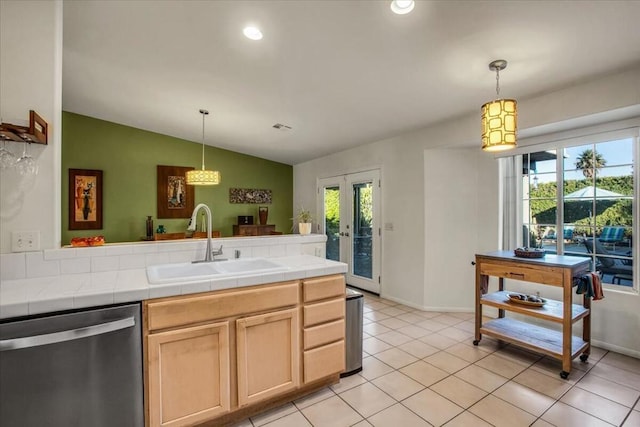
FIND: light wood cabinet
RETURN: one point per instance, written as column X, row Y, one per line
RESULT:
column 268, row 355
column 552, row 270
column 188, row 374
column 222, row 356
column 324, row 327
column 254, row 230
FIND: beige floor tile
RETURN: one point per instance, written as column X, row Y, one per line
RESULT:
column 394, row 311
column 397, row 415
column 426, row 314
column 394, row 323
column 375, row 305
column 633, row 420
column 332, row 412
column 374, row 368
column 375, row 329
column 363, row 423
column 432, row 407
column 418, row 349
column 524, row 398
column 552, row 367
column 367, row 399
column 457, row 334
column 466, row 326
column 273, row 414
column 348, row 382
column 501, row 366
column 563, row 415
column 447, row 319
column 467, row 419
column 292, row 420
column 366, row 321
column 438, row 341
column 518, row 355
column 463, row 315
column 500, row 413
column 376, row 316
column 620, row 376
column 597, row 353
column 412, row 317
column 621, row 361
column 458, row 391
column 425, row 373
column 637, row 407
column 446, row 361
column 394, row 338
column 432, row 325
column 613, row 391
column 244, row 423
column 469, row 353
column 397, row 385
column 414, row 331
column 480, row 377
column 312, row 398
column 595, row 405
column 541, row 423
column 491, row 344
column 374, row 345
column 396, row 358
column 542, row 383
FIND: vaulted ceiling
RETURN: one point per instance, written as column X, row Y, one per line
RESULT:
column 339, row 73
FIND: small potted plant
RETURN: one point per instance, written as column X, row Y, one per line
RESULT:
column 304, row 219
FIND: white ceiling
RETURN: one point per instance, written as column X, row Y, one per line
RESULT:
column 340, row 73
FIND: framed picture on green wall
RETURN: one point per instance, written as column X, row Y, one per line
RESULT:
column 175, row 197
column 85, row 199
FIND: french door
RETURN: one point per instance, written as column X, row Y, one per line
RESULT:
column 350, row 207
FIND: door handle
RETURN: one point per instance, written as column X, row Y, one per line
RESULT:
column 346, row 234
column 72, row 334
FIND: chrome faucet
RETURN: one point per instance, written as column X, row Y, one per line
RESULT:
column 208, row 255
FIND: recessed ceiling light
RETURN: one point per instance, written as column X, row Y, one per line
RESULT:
column 252, row 33
column 402, row 7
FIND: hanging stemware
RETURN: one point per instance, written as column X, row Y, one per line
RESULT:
column 26, row 165
column 7, row 158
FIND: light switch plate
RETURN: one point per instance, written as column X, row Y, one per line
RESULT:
column 25, row 241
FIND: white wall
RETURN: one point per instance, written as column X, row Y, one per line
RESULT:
column 31, row 79
column 412, row 273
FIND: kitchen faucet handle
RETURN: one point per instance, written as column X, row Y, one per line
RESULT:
column 217, row 251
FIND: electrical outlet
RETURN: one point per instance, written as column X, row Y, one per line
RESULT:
column 25, row 241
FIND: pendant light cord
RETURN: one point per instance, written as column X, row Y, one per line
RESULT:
column 497, row 83
column 203, row 114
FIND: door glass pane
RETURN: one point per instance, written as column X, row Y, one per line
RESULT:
column 539, row 189
column 362, row 223
column 332, row 222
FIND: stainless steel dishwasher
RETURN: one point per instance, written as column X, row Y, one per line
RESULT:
column 73, row 369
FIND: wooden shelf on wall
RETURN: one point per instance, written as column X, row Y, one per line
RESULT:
column 183, row 235
column 37, row 131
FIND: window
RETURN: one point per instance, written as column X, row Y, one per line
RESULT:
column 579, row 200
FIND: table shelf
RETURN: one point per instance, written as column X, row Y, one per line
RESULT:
column 552, row 310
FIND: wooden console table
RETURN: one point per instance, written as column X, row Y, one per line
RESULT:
column 254, row 230
column 552, row 270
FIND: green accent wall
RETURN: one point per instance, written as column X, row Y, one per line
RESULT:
column 128, row 158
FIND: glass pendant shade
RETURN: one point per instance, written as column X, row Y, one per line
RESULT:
column 499, row 125
column 203, row 177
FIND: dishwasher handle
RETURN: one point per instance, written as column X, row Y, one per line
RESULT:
column 62, row 336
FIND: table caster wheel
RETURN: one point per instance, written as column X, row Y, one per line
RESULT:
column 564, row 375
column 476, row 342
column 584, row 357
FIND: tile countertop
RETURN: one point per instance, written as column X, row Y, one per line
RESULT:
column 22, row 297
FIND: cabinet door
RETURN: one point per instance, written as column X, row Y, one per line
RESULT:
column 188, row 374
column 268, row 355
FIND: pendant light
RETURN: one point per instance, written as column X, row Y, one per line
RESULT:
column 499, row 117
column 203, row 176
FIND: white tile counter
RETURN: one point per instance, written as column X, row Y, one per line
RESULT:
column 71, row 278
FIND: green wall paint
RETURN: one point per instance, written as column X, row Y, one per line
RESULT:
column 128, row 158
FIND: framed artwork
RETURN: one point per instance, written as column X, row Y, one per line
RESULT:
column 175, row 197
column 85, row 199
column 249, row 195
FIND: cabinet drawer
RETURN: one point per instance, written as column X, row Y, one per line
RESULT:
column 168, row 313
column 323, row 287
column 323, row 334
column 323, row 361
column 322, row 312
column 546, row 275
